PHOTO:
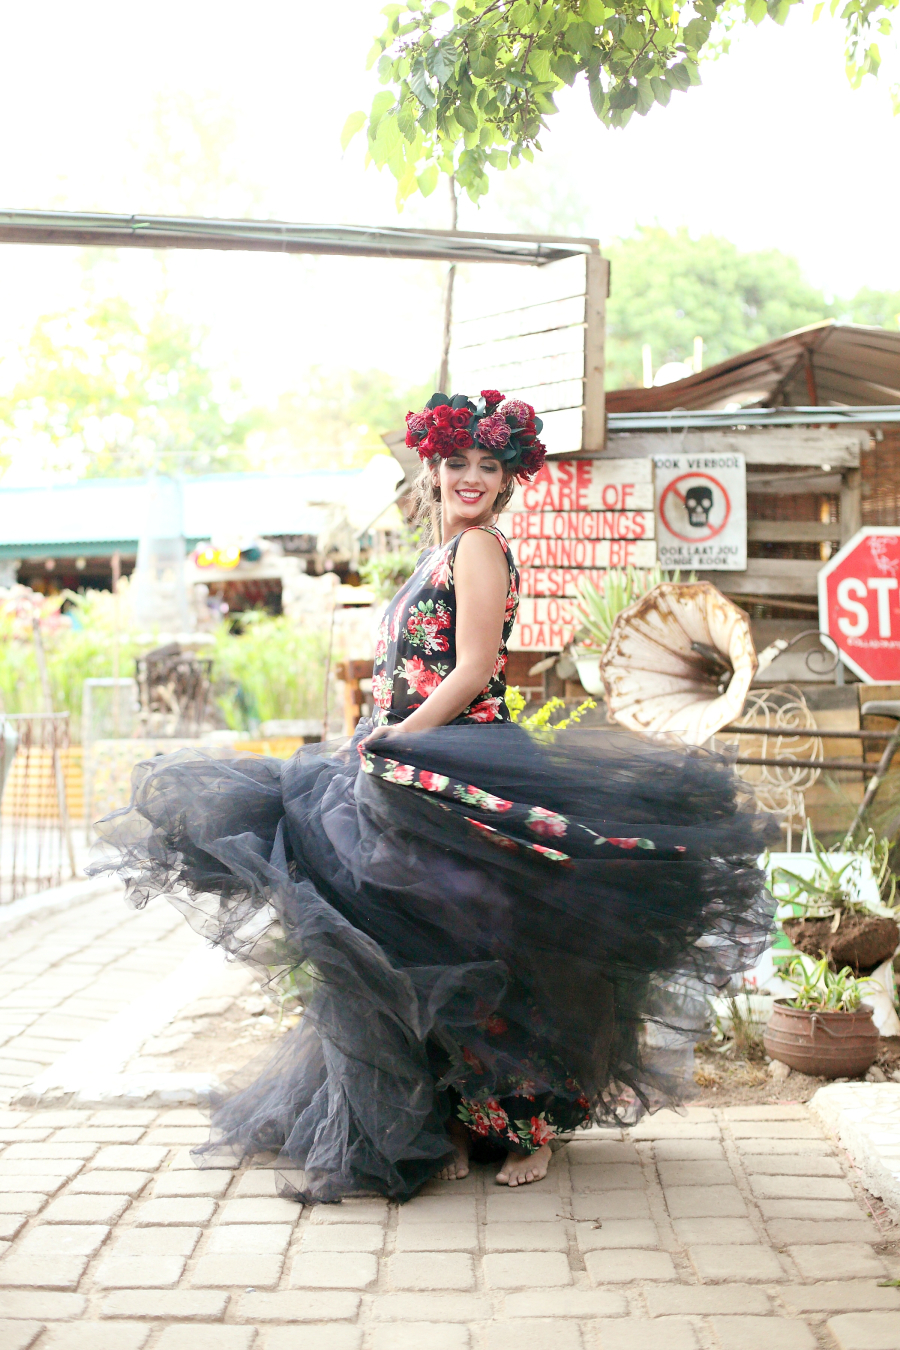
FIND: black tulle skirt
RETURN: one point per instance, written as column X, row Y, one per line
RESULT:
column 476, row 915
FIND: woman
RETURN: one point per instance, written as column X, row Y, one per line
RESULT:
column 505, row 937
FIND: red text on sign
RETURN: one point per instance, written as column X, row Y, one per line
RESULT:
column 580, row 524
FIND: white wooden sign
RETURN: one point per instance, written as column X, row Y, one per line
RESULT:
column 544, row 625
column 575, row 521
column 701, row 512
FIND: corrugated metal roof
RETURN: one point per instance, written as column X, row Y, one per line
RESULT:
column 107, row 511
column 826, row 365
column 710, row 418
column 83, row 228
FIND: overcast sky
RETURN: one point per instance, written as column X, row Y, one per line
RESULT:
column 774, row 150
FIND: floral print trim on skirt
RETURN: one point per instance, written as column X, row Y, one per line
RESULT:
column 522, row 1123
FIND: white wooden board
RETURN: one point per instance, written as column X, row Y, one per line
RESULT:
column 701, row 509
column 575, row 521
column 578, row 524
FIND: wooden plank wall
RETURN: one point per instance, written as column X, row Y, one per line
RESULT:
column 548, row 352
column 803, row 502
column 880, row 473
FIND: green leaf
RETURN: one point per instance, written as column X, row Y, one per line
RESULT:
column 406, row 121
column 481, row 63
column 697, row 33
column 645, row 99
column 353, row 124
column 677, row 77
column 634, row 37
column 598, row 97
column 418, row 83
column 380, row 104
column 439, row 62
column 428, row 179
column 466, row 116
column 595, row 11
column 580, row 38
column 387, row 137
column 756, row 11
column 661, row 91
column 566, row 67
column 539, row 63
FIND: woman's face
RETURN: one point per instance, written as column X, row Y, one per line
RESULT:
column 470, row 481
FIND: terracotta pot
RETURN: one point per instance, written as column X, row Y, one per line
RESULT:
column 822, row 1044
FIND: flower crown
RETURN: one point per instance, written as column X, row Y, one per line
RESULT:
column 505, row 426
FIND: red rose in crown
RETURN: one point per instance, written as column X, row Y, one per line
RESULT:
column 508, row 428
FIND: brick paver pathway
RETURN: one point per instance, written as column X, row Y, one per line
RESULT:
column 64, row 975
column 740, row 1229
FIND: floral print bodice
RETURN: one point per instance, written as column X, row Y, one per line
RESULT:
column 416, row 647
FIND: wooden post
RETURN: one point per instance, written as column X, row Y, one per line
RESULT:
column 851, row 504
column 593, row 423
column 443, row 382
column 351, row 673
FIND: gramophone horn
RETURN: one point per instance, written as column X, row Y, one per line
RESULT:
column 679, row 662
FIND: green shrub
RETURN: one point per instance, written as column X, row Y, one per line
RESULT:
column 269, row 670
column 276, row 670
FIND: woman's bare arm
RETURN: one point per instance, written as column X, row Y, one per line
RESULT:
column 481, row 579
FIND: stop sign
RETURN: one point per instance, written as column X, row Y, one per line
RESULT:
column 859, row 603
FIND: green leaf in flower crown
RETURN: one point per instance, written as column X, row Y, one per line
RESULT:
column 460, row 401
column 436, row 400
column 538, row 424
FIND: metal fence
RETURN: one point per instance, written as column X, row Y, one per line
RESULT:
column 109, row 715
column 38, row 771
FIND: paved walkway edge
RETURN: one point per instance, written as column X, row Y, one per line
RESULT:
column 17, row 912
column 865, row 1118
column 128, row 1090
column 90, row 1073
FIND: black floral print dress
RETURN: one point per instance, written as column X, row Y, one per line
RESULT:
column 416, row 650
column 416, row 646
column 487, row 920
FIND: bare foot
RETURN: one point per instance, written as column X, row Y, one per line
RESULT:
column 459, row 1168
column 521, row 1168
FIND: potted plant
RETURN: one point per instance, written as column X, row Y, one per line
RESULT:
column 598, row 606
column 832, row 914
column 824, row 1030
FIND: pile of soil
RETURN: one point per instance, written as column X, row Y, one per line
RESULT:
column 862, row 941
column 724, row 1078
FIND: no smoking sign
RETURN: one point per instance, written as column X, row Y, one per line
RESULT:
column 701, row 509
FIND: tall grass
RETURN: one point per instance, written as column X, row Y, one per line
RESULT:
column 80, row 647
column 274, row 670
column 270, row 670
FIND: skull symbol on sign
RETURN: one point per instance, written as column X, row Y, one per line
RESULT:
column 698, row 503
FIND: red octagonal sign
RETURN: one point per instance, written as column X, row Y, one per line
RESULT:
column 859, row 603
